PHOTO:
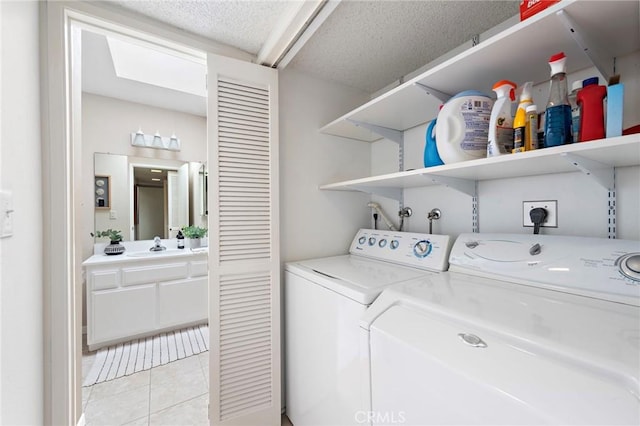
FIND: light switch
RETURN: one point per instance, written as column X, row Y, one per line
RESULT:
column 6, row 214
column 113, row 214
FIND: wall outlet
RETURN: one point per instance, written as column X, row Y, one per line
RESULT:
column 551, row 206
column 113, row 214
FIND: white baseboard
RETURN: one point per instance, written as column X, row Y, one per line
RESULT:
column 82, row 421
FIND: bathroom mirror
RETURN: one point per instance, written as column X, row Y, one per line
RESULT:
column 150, row 196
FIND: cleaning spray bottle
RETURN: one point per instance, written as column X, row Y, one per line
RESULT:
column 557, row 123
column 501, row 121
column 520, row 120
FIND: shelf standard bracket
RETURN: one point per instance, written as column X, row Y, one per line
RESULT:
column 393, row 193
column 605, row 176
column 594, row 51
column 444, row 97
column 475, row 220
column 466, row 186
column 394, row 135
column 611, row 213
column 601, row 173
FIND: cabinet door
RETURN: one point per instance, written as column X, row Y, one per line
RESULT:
column 121, row 313
column 182, row 302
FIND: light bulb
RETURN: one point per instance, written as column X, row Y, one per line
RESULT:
column 157, row 141
column 138, row 139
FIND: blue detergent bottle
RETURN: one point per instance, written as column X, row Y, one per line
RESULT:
column 431, row 156
column 557, row 125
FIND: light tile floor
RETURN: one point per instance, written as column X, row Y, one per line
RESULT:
column 172, row 394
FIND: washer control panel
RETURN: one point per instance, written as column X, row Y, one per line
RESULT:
column 424, row 251
column 598, row 267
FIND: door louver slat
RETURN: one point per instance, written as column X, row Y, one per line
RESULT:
column 246, row 273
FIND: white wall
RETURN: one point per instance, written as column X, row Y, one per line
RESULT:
column 21, row 342
column 106, row 165
column 317, row 223
column 582, row 204
column 107, row 124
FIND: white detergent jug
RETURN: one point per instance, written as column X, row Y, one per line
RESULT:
column 501, row 122
column 463, row 127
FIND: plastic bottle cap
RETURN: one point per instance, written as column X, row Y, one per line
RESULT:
column 557, row 63
column 503, row 82
column 577, row 85
column 590, row 81
column 531, row 108
column 557, row 56
column 525, row 91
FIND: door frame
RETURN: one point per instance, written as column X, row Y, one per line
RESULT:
column 61, row 149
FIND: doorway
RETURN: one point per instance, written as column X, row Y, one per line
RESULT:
column 154, row 189
column 231, row 146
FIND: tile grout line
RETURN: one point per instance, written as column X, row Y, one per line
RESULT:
column 175, row 405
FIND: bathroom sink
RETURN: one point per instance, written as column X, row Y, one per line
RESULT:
column 156, row 253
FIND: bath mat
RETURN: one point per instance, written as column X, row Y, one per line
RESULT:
column 137, row 355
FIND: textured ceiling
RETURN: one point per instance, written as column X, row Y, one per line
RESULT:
column 370, row 44
column 366, row 44
column 239, row 23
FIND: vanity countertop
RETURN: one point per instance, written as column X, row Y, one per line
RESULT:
column 138, row 256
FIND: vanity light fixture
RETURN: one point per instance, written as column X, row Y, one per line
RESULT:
column 156, row 141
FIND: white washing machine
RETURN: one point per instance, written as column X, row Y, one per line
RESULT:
column 324, row 301
column 523, row 329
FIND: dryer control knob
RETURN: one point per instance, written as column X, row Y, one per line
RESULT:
column 629, row 266
column 394, row 244
column 422, row 248
column 382, row 242
column 362, row 240
column 372, row 241
column 633, row 263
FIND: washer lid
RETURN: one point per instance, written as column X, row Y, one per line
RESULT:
column 597, row 334
column 355, row 277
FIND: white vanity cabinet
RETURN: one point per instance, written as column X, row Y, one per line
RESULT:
column 131, row 297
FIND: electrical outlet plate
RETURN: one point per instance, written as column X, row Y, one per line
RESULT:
column 551, row 206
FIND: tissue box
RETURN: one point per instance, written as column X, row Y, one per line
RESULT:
column 528, row 8
column 615, row 101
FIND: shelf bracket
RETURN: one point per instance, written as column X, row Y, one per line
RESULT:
column 475, row 220
column 393, row 193
column 594, row 51
column 392, row 134
column 601, row 173
column 466, row 186
column 444, row 97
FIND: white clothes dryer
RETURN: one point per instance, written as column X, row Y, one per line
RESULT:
column 324, row 301
column 523, row 329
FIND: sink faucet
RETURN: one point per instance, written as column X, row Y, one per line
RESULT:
column 157, row 246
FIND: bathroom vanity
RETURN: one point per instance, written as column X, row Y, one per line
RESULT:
column 142, row 293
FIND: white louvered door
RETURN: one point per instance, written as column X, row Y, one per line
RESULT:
column 244, row 262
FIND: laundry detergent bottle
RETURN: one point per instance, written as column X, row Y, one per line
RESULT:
column 520, row 120
column 501, row 121
column 463, row 124
column 557, row 123
column 431, row 156
column 590, row 101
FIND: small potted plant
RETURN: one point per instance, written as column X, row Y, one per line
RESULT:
column 115, row 237
column 194, row 234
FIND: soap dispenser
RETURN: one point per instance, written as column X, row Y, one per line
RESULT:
column 180, row 238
